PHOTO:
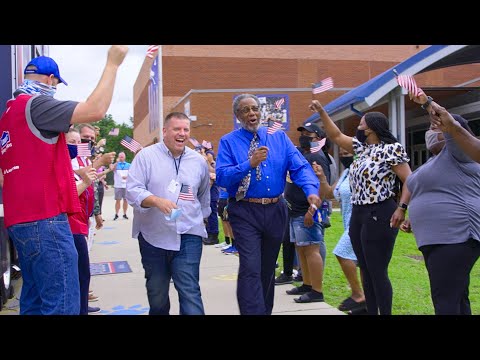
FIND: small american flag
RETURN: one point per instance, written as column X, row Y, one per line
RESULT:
column 408, row 83
column 186, row 193
column 130, row 144
column 316, row 146
column 194, row 141
column 114, row 132
column 83, row 150
column 279, row 103
column 322, row 86
column 152, row 51
column 207, row 144
column 273, row 126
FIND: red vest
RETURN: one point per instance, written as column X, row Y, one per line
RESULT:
column 38, row 174
column 79, row 221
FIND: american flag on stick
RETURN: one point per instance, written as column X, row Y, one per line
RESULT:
column 186, row 193
column 194, row 141
column 131, row 144
column 273, row 126
column 322, row 86
column 207, row 144
column 279, row 103
column 408, row 83
column 83, row 150
column 152, row 51
column 316, row 146
column 114, row 132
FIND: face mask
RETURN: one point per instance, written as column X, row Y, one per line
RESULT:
column 174, row 214
column 72, row 150
column 305, row 141
column 360, row 135
column 346, row 161
column 431, row 139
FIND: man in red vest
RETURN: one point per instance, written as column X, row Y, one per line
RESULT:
column 39, row 187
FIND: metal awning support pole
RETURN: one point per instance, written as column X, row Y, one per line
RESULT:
column 392, row 112
column 401, row 120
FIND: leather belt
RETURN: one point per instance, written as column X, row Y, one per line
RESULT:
column 263, row 201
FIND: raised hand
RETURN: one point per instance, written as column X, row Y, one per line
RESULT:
column 441, row 118
column 315, row 106
column 116, row 54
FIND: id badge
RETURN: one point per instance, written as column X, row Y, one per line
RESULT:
column 172, row 187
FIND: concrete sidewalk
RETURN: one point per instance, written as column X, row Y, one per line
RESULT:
column 125, row 293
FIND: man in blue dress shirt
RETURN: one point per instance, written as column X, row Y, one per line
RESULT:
column 252, row 165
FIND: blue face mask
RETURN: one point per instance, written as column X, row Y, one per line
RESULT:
column 174, row 214
column 72, row 150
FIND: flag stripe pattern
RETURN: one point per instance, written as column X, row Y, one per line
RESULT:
column 279, row 103
column 130, row 144
column 186, row 193
column 194, row 141
column 152, row 51
column 408, row 83
column 114, row 132
column 317, row 145
column 273, row 126
column 322, row 86
column 83, row 150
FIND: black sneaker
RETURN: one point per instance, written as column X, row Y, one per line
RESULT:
column 93, row 309
column 116, row 217
column 303, row 289
column 283, row 279
column 125, row 216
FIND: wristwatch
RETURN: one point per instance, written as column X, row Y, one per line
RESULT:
column 427, row 104
column 403, row 206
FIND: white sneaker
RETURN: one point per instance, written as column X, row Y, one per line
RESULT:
column 226, row 247
column 220, row 245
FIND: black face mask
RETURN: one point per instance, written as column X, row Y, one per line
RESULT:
column 346, row 161
column 360, row 135
column 305, row 141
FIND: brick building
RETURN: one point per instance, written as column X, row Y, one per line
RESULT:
column 202, row 81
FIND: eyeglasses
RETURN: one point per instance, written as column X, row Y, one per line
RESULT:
column 247, row 109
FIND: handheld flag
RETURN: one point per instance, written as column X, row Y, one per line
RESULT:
column 152, row 51
column 186, row 193
column 322, row 86
column 83, row 150
column 273, row 126
column 131, row 144
column 408, row 83
column 194, row 142
column 316, row 146
column 207, row 144
column 114, row 132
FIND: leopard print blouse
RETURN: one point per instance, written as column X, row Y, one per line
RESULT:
column 372, row 179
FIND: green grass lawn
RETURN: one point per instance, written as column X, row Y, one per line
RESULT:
column 411, row 289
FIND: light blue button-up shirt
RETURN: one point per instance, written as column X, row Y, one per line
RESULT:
column 151, row 173
column 233, row 165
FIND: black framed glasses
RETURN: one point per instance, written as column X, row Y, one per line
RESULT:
column 247, row 109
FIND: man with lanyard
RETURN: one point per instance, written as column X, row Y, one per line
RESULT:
column 120, row 183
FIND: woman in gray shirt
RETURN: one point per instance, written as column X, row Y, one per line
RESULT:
column 444, row 214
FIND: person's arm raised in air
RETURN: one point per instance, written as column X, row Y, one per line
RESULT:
column 332, row 130
column 97, row 104
column 469, row 144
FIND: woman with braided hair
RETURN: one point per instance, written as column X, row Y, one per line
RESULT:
column 380, row 164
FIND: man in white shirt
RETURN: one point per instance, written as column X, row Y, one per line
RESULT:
column 120, row 183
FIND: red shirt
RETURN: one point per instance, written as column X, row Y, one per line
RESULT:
column 38, row 175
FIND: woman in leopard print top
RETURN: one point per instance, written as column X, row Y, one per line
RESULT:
column 380, row 161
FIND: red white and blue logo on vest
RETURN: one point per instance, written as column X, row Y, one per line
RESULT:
column 5, row 140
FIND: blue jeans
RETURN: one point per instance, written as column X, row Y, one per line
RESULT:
column 183, row 266
column 49, row 263
column 304, row 236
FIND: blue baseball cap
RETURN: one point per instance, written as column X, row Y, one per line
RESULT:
column 44, row 66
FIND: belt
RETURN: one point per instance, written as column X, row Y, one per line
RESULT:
column 263, row 201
